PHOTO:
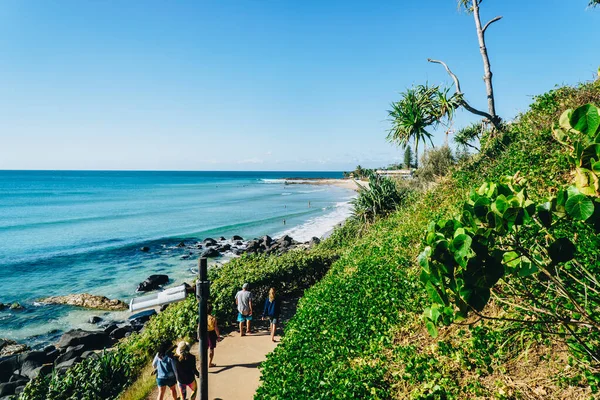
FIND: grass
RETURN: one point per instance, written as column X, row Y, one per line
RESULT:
column 142, row 387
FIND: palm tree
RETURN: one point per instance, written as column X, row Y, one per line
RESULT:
column 420, row 108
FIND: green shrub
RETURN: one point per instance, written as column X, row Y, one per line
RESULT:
column 378, row 199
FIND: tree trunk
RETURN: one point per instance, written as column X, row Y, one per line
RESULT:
column 487, row 77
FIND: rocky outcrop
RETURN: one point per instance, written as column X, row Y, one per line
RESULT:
column 236, row 238
column 153, row 282
column 210, row 252
column 91, row 340
column 87, row 301
column 145, row 249
column 10, row 347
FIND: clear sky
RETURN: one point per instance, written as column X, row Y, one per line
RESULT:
column 258, row 84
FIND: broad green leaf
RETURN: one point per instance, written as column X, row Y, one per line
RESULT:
column 480, row 208
column 423, row 259
column 564, row 120
column 461, row 245
column 511, row 259
column 585, row 119
column 431, row 328
column 476, row 297
column 579, row 207
column 500, row 205
column 562, row 250
column 544, row 213
column 434, row 294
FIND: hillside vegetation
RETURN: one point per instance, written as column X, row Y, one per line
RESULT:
column 359, row 332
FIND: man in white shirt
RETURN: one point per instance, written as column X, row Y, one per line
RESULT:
column 243, row 299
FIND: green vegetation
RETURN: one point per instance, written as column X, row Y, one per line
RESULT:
column 378, row 199
column 359, row 332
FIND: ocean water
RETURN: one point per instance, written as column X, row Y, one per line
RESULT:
column 65, row 232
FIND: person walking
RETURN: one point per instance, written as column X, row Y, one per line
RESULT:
column 272, row 311
column 185, row 370
column 164, row 367
column 213, row 336
column 243, row 300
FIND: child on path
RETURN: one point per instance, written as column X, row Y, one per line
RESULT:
column 272, row 310
column 213, row 336
column 185, row 370
column 164, row 366
column 243, row 300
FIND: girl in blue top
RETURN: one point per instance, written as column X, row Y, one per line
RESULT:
column 272, row 311
column 164, row 366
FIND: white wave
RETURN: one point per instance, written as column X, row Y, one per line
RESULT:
column 311, row 191
column 272, row 180
column 286, row 194
column 320, row 225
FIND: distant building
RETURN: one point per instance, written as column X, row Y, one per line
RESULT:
column 396, row 173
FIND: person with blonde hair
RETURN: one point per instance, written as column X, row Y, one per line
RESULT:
column 213, row 335
column 272, row 311
column 185, row 370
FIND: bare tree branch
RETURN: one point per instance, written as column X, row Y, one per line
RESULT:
column 491, row 22
column 458, row 91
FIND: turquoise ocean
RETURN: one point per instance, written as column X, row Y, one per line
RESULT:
column 64, row 232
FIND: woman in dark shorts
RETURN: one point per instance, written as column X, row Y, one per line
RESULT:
column 164, row 366
column 213, row 336
column 185, row 370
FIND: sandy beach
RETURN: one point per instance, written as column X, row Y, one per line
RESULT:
column 343, row 183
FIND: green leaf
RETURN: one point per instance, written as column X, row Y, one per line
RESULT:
column 585, row 119
column 544, row 213
column 461, row 245
column 476, row 297
column 480, row 208
column 564, row 120
column 500, row 205
column 579, row 207
column 434, row 294
column 562, row 250
column 431, row 328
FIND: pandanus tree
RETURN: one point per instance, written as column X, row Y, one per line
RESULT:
column 420, row 109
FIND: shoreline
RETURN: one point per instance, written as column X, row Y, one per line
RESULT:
column 349, row 183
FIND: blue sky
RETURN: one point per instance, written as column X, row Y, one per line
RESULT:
column 258, row 85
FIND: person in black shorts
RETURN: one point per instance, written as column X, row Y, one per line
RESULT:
column 213, row 336
column 185, row 370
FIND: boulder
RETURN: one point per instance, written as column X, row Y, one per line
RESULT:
column 62, row 367
column 252, row 246
column 11, row 348
column 120, row 333
column 8, row 366
column 8, row 388
column 209, row 242
column 49, row 349
column 110, row 328
column 267, row 240
column 87, row 300
column 3, row 306
column 236, row 237
column 314, row 241
column 16, row 306
column 181, row 244
column 70, row 353
column 31, row 363
column 239, row 243
column 210, row 252
column 94, row 320
column 96, row 340
column 141, row 318
column 222, row 238
column 145, row 249
column 225, row 247
column 18, row 378
column 199, row 245
column 238, row 252
column 52, row 355
column 153, row 282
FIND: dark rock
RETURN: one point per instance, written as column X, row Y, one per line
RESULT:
column 19, row 389
column 238, row 252
column 222, row 238
column 236, row 237
column 70, row 353
column 253, row 246
column 8, row 388
column 67, row 364
column 199, row 246
column 31, row 363
column 8, row 366
column 181, row 244
column 153, row 282
column 184, row 257
column 163, row 307
column 120, row 333
column 210, row 252
column 49, row 349
column 209, row 242
column 141, row 318
column 108, row 330
column 96, row 340
column 16, row 306
column 52, row 355
column 145, row 249
column 239, row 243
column 2, row 306
column 18, row 378
column 314, row 241
column 225, row 247
column 94, row 319
column 87, row 354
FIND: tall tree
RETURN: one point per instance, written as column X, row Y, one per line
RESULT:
column 472, row 6
column 408, row 158
column 421, row 107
